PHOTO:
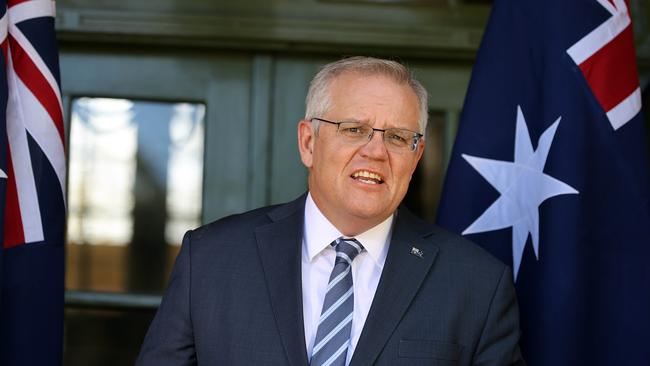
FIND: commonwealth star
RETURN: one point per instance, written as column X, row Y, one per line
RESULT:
column 523, row 186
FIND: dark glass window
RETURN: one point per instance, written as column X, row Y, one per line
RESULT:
column 135, row 186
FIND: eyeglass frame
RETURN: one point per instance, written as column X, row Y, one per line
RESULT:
column 416, row 135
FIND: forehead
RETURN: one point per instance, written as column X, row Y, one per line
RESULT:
column 375, row 98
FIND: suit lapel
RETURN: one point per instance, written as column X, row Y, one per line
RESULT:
column 280, row 248
column 400, row 281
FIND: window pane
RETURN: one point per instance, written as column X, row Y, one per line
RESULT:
column 135, row 186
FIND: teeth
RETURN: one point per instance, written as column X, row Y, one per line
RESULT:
column 372, row 177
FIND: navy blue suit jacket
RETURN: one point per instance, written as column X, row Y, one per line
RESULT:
column 234, row 298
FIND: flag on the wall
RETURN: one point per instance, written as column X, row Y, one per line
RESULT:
column 32, row 186
column 549, row 172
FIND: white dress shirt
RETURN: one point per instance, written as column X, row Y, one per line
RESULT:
column 318, row 261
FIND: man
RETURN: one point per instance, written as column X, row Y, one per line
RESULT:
column 340, row 276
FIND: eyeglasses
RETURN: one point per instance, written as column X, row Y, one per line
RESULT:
column 396, row 140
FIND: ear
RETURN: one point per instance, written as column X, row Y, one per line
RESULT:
column 418, row 152
column 306, row 142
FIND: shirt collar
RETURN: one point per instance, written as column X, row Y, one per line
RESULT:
column 320, row 233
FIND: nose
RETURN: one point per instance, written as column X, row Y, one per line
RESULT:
column 375, row 148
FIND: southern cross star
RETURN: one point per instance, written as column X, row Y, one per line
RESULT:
column 523, row 187
column 2, row 174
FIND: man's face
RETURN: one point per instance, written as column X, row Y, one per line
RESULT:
column 357, row 187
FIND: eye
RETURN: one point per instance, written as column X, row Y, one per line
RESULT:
column 353, row 129
column 397, row 137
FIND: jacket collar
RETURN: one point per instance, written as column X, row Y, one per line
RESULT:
column 279, row 245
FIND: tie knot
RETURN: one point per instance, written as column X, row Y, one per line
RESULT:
column 347, row 249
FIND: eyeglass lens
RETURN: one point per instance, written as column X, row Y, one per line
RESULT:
column 396, row 139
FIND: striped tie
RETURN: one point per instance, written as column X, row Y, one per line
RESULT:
column 333, row 334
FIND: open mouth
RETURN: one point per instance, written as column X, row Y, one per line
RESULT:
column 367, row 177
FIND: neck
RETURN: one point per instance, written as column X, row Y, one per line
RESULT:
column 348, row 225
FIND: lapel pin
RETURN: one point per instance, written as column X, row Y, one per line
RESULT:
column 417, row 252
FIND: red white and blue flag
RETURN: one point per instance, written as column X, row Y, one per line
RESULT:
column 550, row 173
column 32, row 186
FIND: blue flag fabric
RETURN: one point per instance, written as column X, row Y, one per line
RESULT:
column 549, row 172
column 32, row 187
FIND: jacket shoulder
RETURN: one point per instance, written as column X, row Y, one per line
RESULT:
column 244, row 224
column 463, row 255
column 452, row 247
column 233, row 226
column 463, row 247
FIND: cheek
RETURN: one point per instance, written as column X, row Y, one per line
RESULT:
column 318, row 160
column 404, row 173
column 326, row 164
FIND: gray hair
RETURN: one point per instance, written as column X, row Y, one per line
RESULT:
column 318, row 99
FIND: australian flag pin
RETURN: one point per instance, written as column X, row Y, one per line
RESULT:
column 417, row 252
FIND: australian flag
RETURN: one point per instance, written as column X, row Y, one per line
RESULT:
column 32, row 186
column 549, row 172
